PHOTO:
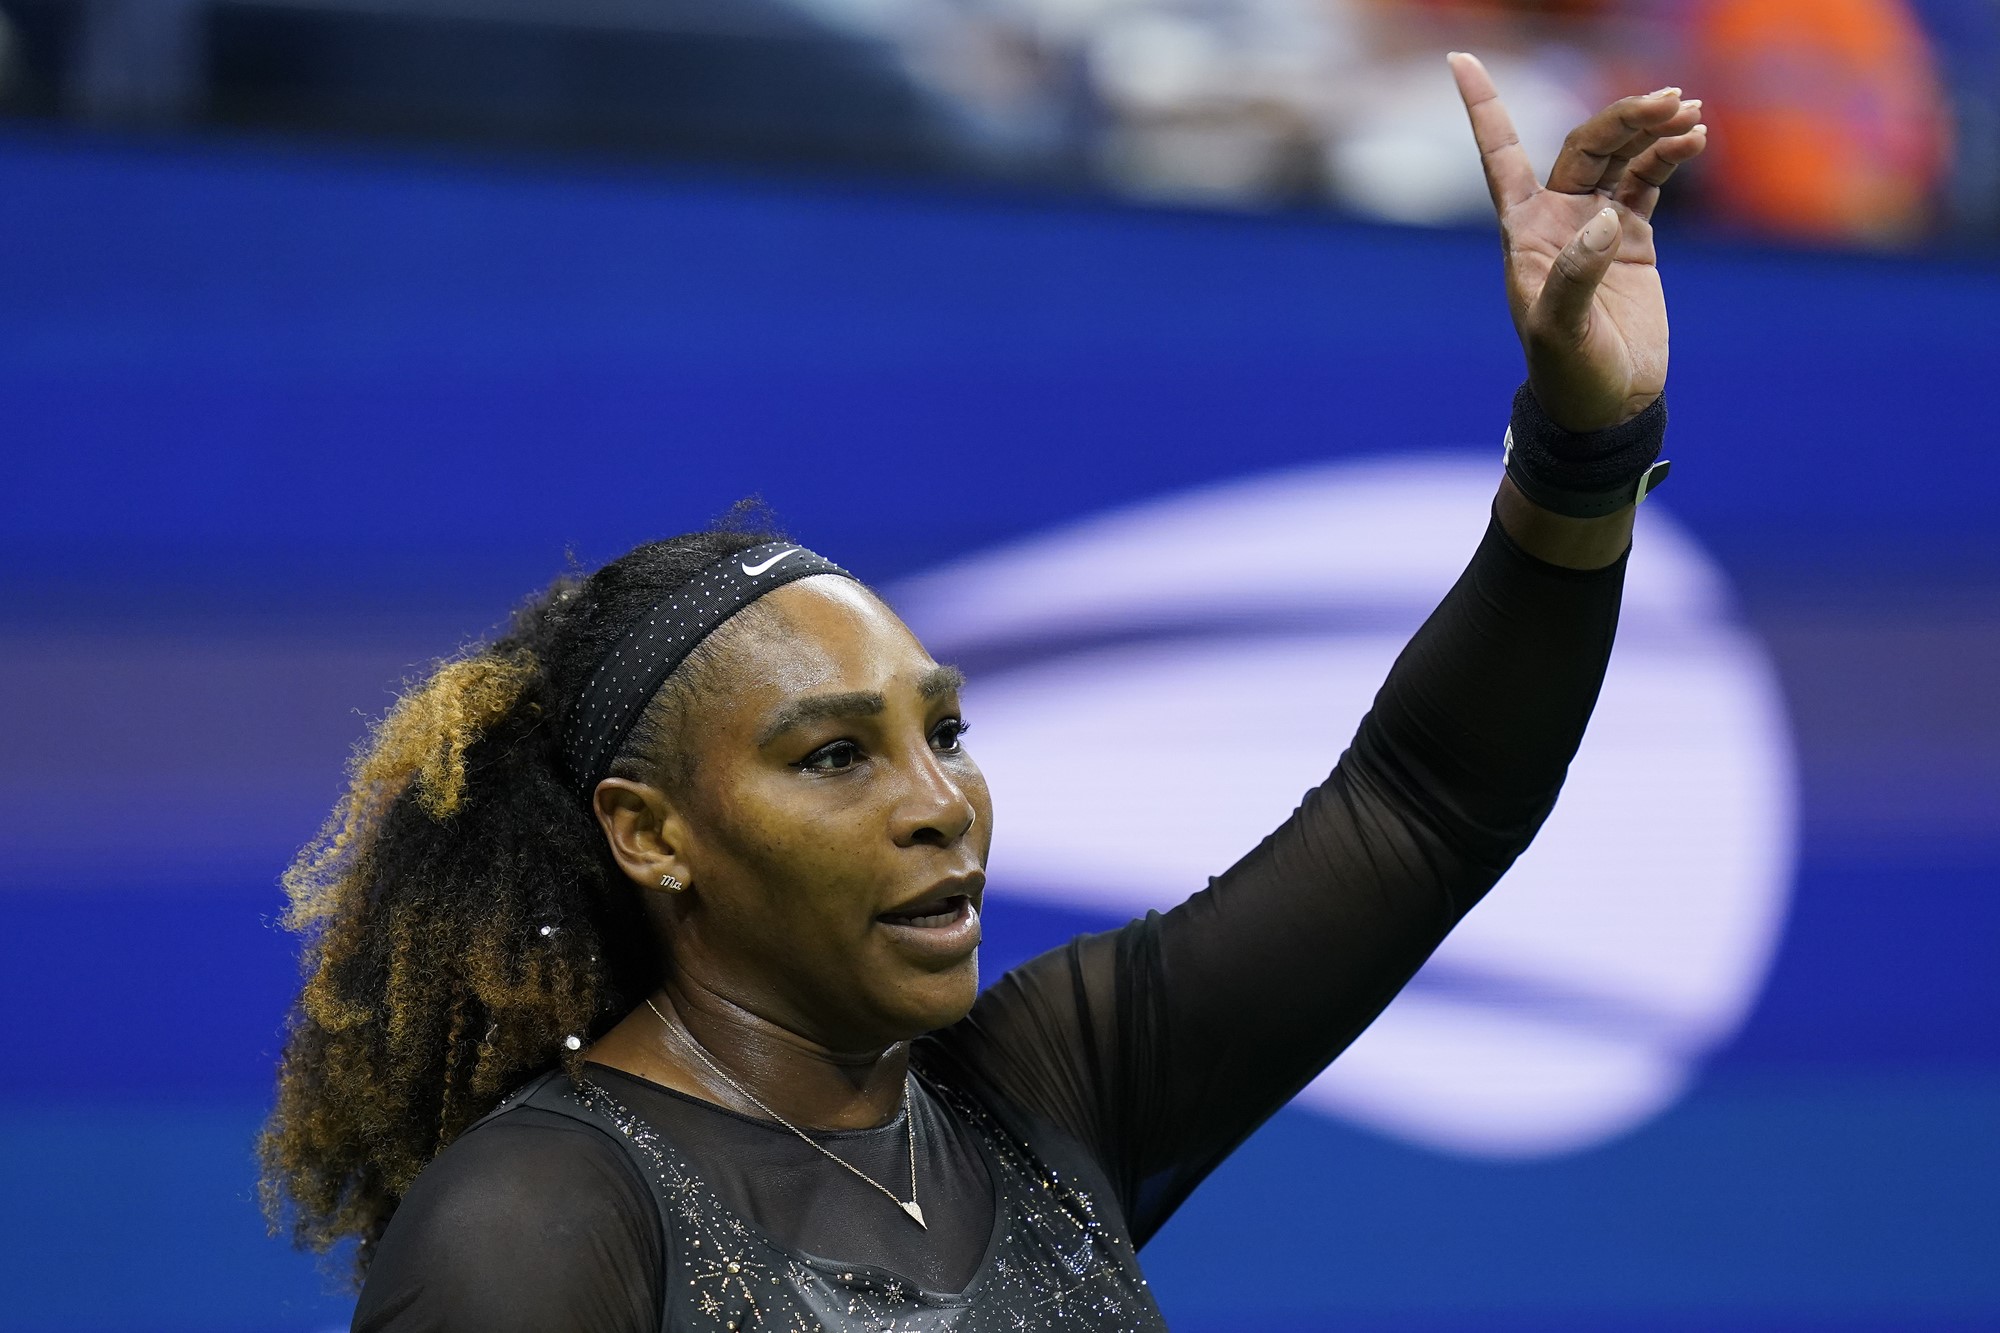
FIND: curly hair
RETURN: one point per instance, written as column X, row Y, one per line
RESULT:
column 460, row 912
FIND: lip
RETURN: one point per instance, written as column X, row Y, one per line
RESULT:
column 955, row 930
column 971, row 884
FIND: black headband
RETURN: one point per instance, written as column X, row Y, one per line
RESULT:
column 625, row 681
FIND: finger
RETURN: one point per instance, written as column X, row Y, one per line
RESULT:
column 1619, row 163
column 1561, row 313
column 1509, row 177
column 1603, row 144
column 1640, row 190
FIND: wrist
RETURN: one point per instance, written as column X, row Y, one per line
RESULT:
column 1557, row 539
column 1584, row 474
column 1583, row 414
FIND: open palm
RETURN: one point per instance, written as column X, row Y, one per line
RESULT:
column 1581, row 278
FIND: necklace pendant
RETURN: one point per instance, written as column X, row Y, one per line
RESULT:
column 916, row 1213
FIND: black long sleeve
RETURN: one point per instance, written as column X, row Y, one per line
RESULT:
column 1155, row 1048
column 1160, row 1046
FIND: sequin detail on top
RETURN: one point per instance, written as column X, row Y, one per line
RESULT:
column 1054, row 1266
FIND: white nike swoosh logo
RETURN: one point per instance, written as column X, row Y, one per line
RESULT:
column 754, row 570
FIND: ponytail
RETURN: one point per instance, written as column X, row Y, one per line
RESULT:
column 464, row 926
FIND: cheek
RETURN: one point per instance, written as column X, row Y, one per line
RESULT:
column 795, row 868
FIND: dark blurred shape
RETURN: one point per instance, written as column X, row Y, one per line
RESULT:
column 755, row 79
column 1966, row 37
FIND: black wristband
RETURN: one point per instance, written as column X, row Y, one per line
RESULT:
column 1585, row 475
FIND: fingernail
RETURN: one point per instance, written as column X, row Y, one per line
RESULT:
column 1692, row 101
column 1601, row 230
column 1662, row 92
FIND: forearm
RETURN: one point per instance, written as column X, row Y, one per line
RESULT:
column 1573, row 543
column 1474, row 729
column 1286, row 957
column 1241, row 993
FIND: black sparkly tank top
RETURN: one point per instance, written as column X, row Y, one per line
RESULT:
column 1051, row 1265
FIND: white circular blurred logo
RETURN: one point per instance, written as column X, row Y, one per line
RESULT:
column 1576, row 1002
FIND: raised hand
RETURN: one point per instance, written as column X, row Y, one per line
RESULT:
column 1581, row 277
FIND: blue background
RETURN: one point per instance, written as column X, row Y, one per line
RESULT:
column 279, row 428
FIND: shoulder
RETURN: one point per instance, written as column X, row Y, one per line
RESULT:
column 530, row 1168
column 530, row 1220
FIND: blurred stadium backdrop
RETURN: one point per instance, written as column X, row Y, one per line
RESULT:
column 329, row 329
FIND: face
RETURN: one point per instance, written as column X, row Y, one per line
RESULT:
column 835, row 832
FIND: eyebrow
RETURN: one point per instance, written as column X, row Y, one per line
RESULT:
column 941, row 680
column 937, row 682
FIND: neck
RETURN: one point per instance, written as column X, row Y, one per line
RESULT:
column 802, row 1080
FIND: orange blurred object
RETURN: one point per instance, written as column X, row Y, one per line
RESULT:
column 1828, row 116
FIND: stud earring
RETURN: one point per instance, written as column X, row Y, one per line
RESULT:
column 671, row 884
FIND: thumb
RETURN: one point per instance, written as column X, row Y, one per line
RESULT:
column 1561, row 312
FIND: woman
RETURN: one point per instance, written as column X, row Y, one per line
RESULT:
column 689, row 865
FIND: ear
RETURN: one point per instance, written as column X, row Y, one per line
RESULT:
column 648, row 837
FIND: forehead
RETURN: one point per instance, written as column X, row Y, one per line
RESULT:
column 822, row 634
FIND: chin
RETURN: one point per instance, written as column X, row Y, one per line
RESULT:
column 940, row 999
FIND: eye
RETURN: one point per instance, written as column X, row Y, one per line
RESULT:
column 833, row 758
column 946, row 736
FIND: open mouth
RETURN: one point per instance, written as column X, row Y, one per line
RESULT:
column 933, row 915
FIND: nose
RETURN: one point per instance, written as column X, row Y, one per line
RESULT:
column 935, row 809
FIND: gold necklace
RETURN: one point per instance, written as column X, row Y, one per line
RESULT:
column 915, row 1213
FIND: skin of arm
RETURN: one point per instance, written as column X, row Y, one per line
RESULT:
column 1573, row 543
